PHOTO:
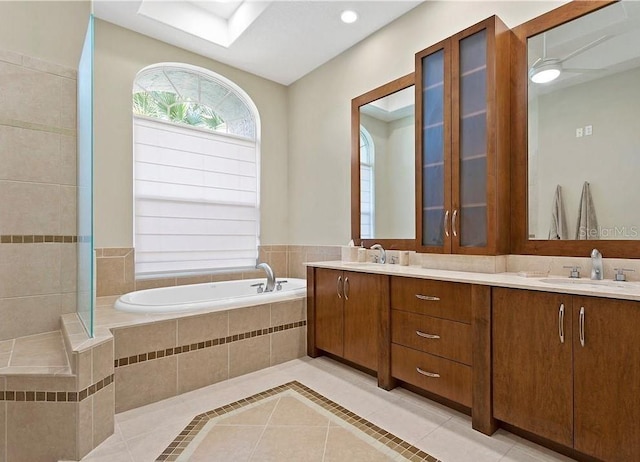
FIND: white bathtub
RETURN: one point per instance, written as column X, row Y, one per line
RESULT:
column 211, row 296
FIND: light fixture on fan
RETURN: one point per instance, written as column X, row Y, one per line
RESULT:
column 545, row 71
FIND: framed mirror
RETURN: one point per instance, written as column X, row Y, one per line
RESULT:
column 383, row 165
column 575, row 131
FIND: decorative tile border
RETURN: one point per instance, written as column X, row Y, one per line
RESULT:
column 37, row 239
column 57, row 396
column 406, row 450
column 151, row 355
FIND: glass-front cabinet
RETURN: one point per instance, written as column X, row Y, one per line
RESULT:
column 462, row 105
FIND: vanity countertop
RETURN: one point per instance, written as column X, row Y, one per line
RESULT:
column 551, row 283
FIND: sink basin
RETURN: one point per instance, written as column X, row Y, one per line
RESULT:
column 590, row 282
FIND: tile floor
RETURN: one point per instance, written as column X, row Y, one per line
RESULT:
column 142, row 434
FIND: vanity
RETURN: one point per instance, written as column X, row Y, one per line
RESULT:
column 553, row 359
column 518, row 144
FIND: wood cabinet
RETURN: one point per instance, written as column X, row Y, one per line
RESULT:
column 462, row 145
column 431, row 336
column 348, row 308
column 566, row 368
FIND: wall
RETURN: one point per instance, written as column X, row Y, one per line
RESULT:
column 37, row 186
column 50, row 30
column 120, row 54
column 610, row 105
column 319, row 108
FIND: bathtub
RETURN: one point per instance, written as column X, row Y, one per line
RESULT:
column 207, row 297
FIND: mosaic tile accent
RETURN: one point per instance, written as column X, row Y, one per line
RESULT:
column 37, row 239
column 151, row 355
column 57, row 396
column 399, row 446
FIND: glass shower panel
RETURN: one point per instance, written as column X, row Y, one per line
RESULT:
column 85, row 250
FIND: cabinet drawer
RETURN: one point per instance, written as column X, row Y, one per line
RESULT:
column 453, row 381
column 440, row 337
column 447, row 300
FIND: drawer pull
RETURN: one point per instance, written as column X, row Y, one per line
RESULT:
column 422, row 334
column 427, row 297
column 428, row 374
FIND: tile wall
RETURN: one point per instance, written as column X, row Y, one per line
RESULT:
column 38, row 190
column 166, row 358
column 115, row 268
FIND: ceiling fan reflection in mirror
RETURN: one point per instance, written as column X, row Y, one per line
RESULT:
column 546, row 69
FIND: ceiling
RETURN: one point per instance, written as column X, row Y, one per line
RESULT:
column 280, row 40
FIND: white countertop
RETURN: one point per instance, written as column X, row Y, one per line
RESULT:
column 551, row 283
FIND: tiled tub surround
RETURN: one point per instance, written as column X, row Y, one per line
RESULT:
column 159, row 356
column 38, row 190
column 115, row 268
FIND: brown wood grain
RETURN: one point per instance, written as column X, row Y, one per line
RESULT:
column 384, row 338
column 607, row 379
column 482, row 402
column 532, row 368
column 311, row 314
column 363, row 303
column 454, row 340
column 454, row 381
column 329, row 311
column 454, row 298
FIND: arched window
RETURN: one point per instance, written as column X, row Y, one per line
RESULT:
column 196, row 152
column 367, row 185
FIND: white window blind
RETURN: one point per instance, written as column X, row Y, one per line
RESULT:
column 196, row 199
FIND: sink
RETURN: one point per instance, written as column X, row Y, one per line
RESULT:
column 590, row 282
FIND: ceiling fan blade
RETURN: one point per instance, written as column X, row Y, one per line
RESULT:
column 582, row 71
column 534, row 64
column 586, row 47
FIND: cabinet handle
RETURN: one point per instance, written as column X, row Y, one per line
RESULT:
column 422, row 334
column 345, row 288
column 454, row 223
column 428, row 374
column 561, row 322
column 427, row 297
column 582, row 325
column 446, row 223
column 339, row 287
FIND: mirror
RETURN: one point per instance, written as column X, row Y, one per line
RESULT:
column 383, row 164
column 576, row 130
column 583, row 127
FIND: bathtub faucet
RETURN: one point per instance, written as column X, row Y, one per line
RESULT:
column 271, row 278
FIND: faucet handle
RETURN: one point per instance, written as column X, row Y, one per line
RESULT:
column 260, row 287
column 620, row 276
column 394, row 259
column 279, row 284
column 574, row 271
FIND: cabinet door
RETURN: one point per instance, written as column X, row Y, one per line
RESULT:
column 362, row 310
column 433, row 173
column 469, row 220
column 532, row 362
column 607, row 378
column 329, row 324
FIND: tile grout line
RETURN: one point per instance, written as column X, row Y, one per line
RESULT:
column 178, row 350
column 253, row 452
column 326, row 440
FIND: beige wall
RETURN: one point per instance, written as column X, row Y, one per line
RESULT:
column 319, row 108
column 53, row 31
column 120, row 54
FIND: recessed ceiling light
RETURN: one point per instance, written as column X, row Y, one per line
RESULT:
column 349, row 16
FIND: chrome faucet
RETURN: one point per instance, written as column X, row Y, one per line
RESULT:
column 271, row 277
column 596, row 265
column 383, row 254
